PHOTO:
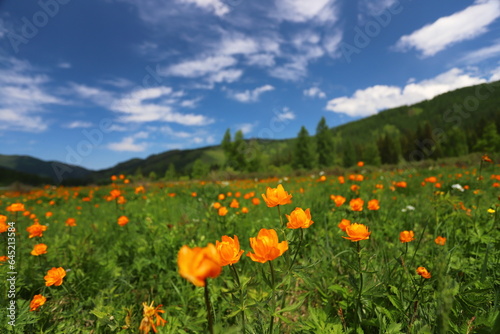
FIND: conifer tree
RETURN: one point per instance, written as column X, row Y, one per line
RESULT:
column 304, row 154
column 324, row 144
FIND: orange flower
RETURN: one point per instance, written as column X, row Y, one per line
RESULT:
column 373, row 205
column 341, row 179
column 55, row 276
column 229, row 250
column 48, row 214
column 354, row 187
column 115, row 193
column 3, row 224
column 266, row 246
column 222, row 211
column 140, row 189
column 339, row 200
column 379, row 186
column 36, row 302
column 121, row 200
column 423, row 272
column 217, row 205
column 36, row 230
column 197, row 264
column 322, row 178
column 194, row 194
column 121, row 176
column 406, row 236
column 361, row 163
column 148, row 321
column 39, row 249
column 276, row 196
column 299, row 219
column 486, row 158
column 357, row 232
column 70, row 222
column 255, row 201
column 244, row 209
column 401, row 184
column 221, row 197
column 431, row 179
column 344, row 223
column 234, row 204
column 440, row 240
column 15, row 207
column 113, row 177
column 356, row 204
column 3, row 258
column 122, row 220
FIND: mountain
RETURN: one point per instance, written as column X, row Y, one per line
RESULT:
column 452, row 124
column 55, row 171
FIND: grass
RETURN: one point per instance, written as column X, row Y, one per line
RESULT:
column 323, row 283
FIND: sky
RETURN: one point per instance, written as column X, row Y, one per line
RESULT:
column 97, row 82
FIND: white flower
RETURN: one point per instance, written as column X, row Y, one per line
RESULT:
column 408, row 208
column 458, row 187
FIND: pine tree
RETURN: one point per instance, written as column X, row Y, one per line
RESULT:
column 239, row 151
column 324, row 144
column 304, row 155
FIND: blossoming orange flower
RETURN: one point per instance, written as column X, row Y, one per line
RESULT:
column 244, row 209
column 39, row 249
column 113, row 178
column 70, row 222
column 121, row 200
column 356, row 204
column 322, row 178
column 122, row 220
column 115, row 193
column 266, row 246
column 406, row 236
column 194, row 194
column 276, row 196
column 55, row 276
column 217, row 205
column 121, row 176
column 221, row 197
column 234, row 204
column 229, row 250
column 341, row 179
column 361, row 163
column 344, row 223
column 36, row 302
column 357, row 232
column 197, row 264
column 401, row 184
column 440, row 240
column 354, row 187
column 48, row 214
column 431, row 179
column 151, row 318
column 255, row 201
column 222, row 211
column 373, row 204
column 379, row 186
column 339, row 200
column 139, row 189
column 3, row 224
column 299, row 219
column 3, row 258
column 486, row 158
column 36, row 230
column 423, row 272
column 15, row 207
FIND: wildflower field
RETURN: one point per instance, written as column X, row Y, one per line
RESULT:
column 369, row 251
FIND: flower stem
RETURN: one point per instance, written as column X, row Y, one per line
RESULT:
column 210, row 316
column 274, row 302
column 360, row 282
column 281, row 218
column 237, row 277
column 298, row 249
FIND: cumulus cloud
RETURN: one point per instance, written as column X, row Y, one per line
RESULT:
column 285, row 115
column 78, row 124
column 302, row 11
column 314, row 92
column 482, row 54
column 24, row 96
column 218, row 7
column 464, row 25
column 250, row 95
column 130, row 144
column 369, row 101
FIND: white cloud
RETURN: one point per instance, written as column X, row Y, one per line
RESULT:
column 64, row 65
column 117, row 82
column 479, row 55
column 302, row 11
column 129, row 144
column 246, row 128
column 464, row 25
column 285, row 115
column 369, row 101
column 218, row 7
column 375, row 7
column 154, row 104
column 200, row 67
column 24, row 96
column 314, row 92
column 78, row 124
column 250, row 95
column 495, row 75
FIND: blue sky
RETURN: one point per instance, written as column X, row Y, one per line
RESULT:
column 98, row 82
